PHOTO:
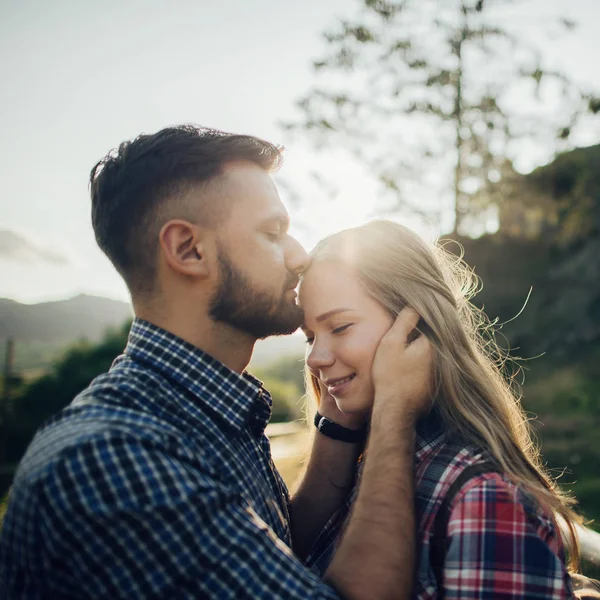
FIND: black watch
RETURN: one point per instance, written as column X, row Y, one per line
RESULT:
column 338, row 432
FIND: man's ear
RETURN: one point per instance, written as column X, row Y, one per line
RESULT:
column 185, row 248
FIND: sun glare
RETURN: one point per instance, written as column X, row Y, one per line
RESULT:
column 336, row 194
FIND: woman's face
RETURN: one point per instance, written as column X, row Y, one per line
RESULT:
column 343, row 326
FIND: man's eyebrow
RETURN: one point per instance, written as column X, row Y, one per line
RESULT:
column 330, row 313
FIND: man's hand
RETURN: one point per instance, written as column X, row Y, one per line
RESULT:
column 376, row 556
column 403, row 370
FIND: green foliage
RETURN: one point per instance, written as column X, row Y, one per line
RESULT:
column 286, row 368
column 284, row 380
column 3, row 505
column 32, row 357
column 286, row 400
column 571, row 187
column 566, row 400
column 560, row 265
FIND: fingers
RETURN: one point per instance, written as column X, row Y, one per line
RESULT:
column 403, row 368
column 404, row 326
column 420, row 348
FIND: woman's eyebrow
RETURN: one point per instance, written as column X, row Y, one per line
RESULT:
column 330, row 313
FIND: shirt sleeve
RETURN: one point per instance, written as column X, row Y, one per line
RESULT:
column 128, row 519
column 500, row 547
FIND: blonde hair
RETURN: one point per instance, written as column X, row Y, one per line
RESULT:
column 473, row 397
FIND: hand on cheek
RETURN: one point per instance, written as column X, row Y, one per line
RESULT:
column 403, row 371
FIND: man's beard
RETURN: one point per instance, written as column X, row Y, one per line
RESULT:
column 256, row 312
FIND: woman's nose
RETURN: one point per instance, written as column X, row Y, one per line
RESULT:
column 319, row 357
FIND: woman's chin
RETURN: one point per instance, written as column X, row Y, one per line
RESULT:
column 352, row 407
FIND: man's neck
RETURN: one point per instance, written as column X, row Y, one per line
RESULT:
column 226, row 344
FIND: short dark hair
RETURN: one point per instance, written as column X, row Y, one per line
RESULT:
column 129, row 188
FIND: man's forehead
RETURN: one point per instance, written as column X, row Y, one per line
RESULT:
column 252, row 191
column 245, row 172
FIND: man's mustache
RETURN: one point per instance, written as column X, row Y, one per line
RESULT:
column 291, row 281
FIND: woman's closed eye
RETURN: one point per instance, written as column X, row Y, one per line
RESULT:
column 341, row 328
column 336, row 330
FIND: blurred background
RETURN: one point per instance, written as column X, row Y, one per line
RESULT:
column 470, row 120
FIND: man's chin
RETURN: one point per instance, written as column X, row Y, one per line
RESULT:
column 287, row 329
column 284, row 325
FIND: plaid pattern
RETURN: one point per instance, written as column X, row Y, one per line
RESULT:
column 501, row 545
column 156, row 482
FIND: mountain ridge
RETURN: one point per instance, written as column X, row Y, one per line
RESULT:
column 61, row 321
column 43, row 330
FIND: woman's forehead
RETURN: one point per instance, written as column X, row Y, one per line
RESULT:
column 329, row 286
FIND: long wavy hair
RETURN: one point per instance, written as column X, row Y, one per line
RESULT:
column 474, row 395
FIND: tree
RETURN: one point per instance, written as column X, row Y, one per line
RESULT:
column 425, row 90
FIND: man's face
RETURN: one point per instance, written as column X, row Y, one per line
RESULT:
column 258, row 261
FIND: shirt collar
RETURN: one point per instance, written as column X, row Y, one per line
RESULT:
column 239, row 400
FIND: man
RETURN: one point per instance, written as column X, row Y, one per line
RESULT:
column 157, row 481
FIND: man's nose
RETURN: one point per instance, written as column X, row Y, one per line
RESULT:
column 296, row 257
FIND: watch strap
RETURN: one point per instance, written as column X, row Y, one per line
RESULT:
column 333, row 430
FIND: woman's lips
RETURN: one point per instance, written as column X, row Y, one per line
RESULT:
column 339, row 385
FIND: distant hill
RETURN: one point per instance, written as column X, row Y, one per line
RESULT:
column 43, row 331
column 63, row 321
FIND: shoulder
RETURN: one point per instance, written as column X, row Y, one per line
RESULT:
column 489, row 502
column 500, row 544
column 109, row 472
column 440, row 464
column 129, row 402
column 103, row 450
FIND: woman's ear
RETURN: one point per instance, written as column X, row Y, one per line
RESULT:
column 185, row 248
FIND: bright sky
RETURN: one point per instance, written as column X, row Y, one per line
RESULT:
column 80, row 76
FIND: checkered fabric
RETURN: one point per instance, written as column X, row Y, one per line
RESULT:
column 156, row 482
column 501, row 545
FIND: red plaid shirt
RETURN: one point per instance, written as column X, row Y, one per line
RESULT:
column 501, row 544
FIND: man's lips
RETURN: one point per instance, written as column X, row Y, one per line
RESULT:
column 292, row 282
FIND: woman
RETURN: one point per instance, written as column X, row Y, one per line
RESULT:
column 486, row 509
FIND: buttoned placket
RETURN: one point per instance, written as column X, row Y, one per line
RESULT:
column 264, row 446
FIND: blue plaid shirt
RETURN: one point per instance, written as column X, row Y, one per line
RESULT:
column 156, row 482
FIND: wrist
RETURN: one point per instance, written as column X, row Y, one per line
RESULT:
column 400, row 413
column 350, row 420
column 398, row 428
column 334, row 430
